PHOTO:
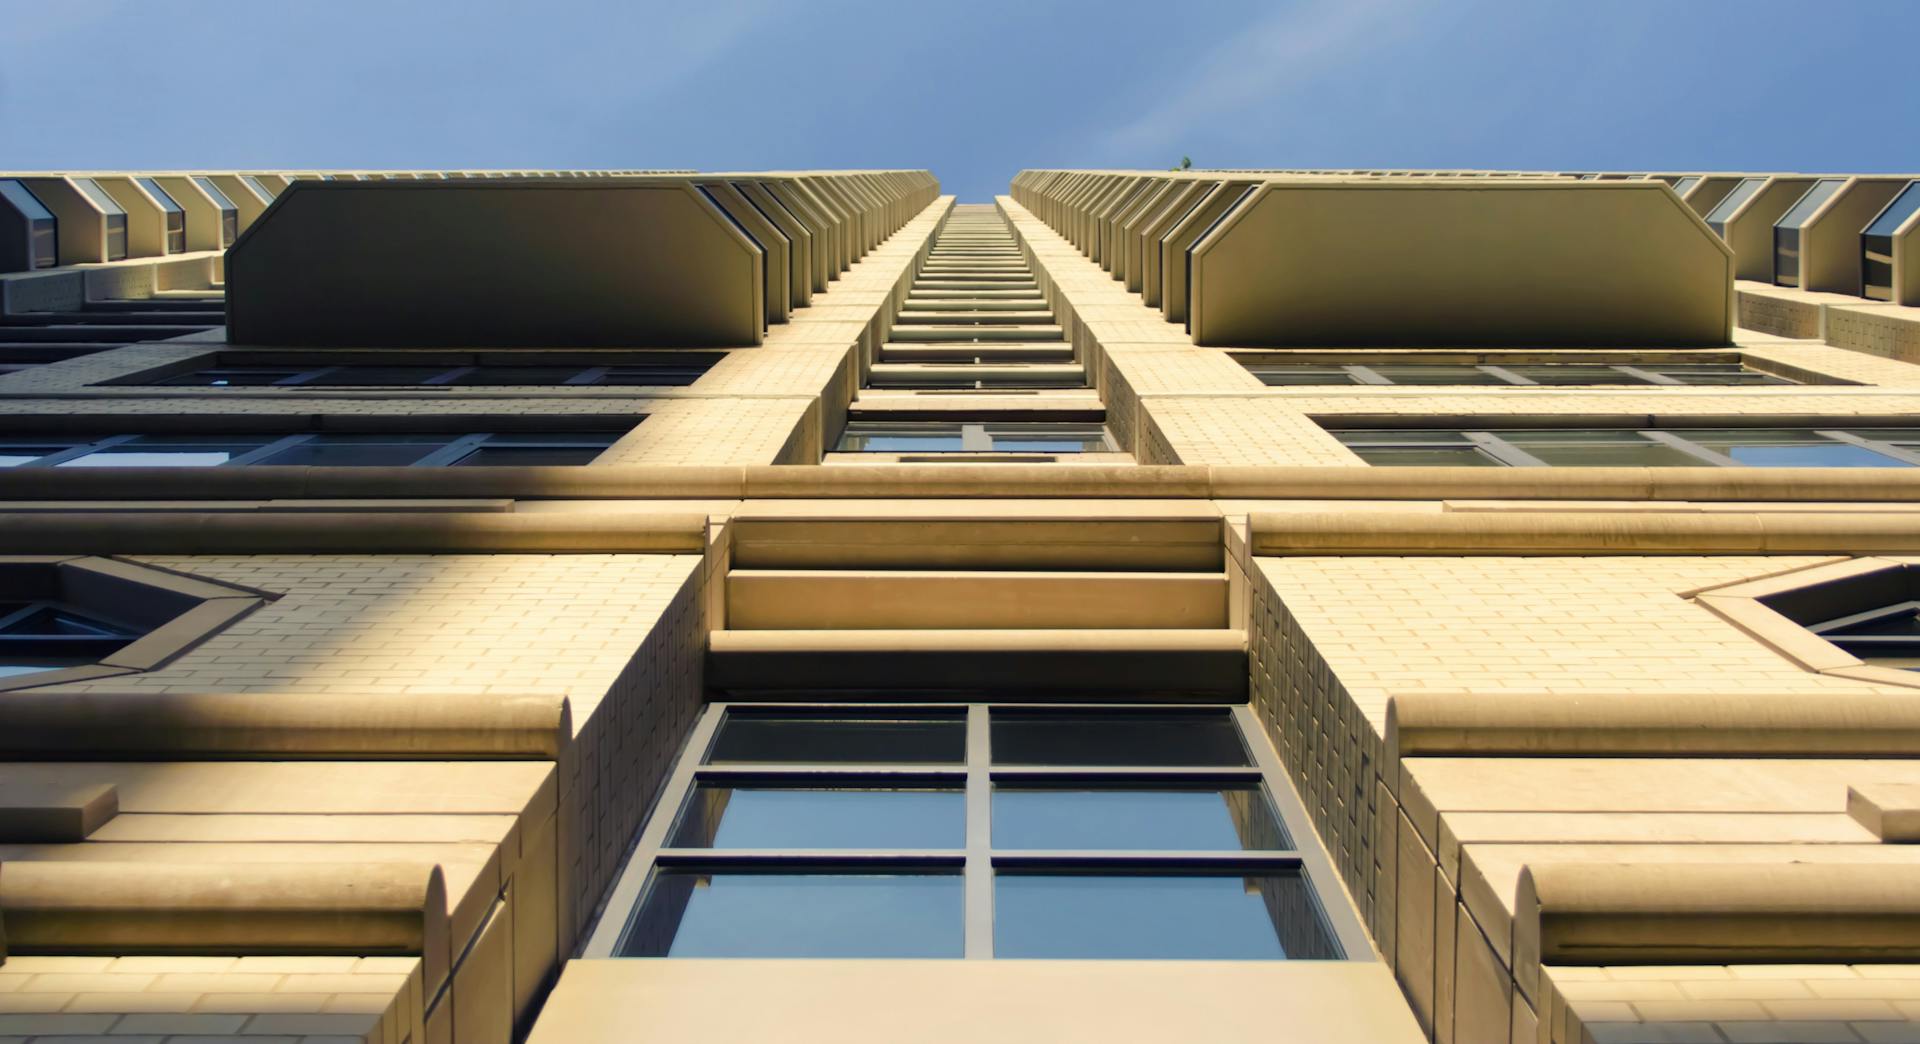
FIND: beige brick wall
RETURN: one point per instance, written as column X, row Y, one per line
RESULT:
column 1333, row 638
column 183, row 999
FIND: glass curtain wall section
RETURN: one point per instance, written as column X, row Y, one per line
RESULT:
column 1628, row 447
column 978, row 831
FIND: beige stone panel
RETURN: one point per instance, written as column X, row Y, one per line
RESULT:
column 1483, row 991
column 1012, row 1002
column 808, row 599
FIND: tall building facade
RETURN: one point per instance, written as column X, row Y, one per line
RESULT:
column 1250, row 605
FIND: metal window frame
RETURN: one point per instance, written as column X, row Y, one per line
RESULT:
column 978, row 863
column 1365, row 375
column 1505, row 452
column 449, row 453
column 80, row 648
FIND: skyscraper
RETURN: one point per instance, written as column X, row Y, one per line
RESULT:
column 1323, row 605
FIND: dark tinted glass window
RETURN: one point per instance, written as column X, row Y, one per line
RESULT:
column 1115, row 738
column 1192, row 817
column 332, row 451
column 529, row 456
column 693, row 914
column 244, row 377
column 849, row 737
column 1613, row 449
column 97, row 196
column 718, row 816
column 171, row 451
column 1904, row 206
column 1158, row 916
column 23, row 201
column 1814, row 198
column 1732, row 201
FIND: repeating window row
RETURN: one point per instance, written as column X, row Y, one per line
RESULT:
column 1520, row 374
column 677, row 371
column 323, row 449
column 1639, row 448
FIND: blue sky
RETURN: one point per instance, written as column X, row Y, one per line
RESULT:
column 972, row 91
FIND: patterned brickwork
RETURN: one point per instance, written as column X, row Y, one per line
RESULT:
column 1333, row 638
column 181, row 1000
column 1260, row 429
column 1888, row 331
column 1718, row 1004
column 425, row 623
column 712, row 431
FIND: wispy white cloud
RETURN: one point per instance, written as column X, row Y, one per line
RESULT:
column 1256, row 66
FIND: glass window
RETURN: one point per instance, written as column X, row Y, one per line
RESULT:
column 861, row 831
column 15, row 452
column 1193, row 817
column 877, row 437
column 23, row 201
column 719, row 816
column 1426, row 457
column 1284, row 375
column 233, row 377
column 1810, row 201
column 1600, row 449
column 379, row 375
column 1403, row 373
column 1732, row 201
column 1904, row 206
column 963, row 437
column 1684, row 186
column 1715, row 373
column 97, row 196
column 260, row 190
column 159, row 195
column 43, row 236
column 1048, row 438
column 347, row 450
column 213, row 192
column 1116, row 738
column 1791, row 449
column 494, row 456
column 171, row 451
column 1623, row 447
column 1157, row 916
column 46, row 636
column 842, row 737
column 511, row 375
column 1575, row 373
column 719, row 914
